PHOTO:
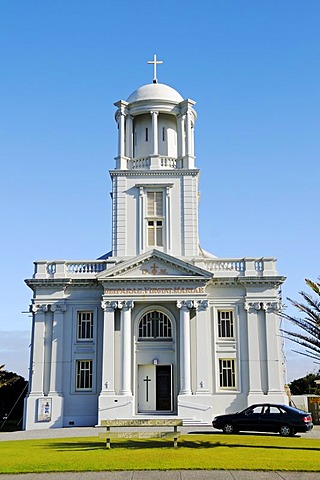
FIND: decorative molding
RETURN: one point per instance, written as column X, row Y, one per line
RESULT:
column 58, row 307
column 39, row 308
column 109, row 305
column 155, row 173
column 126, row 304
column 201, row 305
column 252, row 306
column 185, row 304
column 271, row 306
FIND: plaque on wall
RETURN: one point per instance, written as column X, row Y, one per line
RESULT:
column 44, row 409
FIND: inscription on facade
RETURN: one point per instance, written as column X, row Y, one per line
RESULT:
column 152, row 291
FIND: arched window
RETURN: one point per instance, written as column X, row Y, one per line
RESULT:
column 155, row 325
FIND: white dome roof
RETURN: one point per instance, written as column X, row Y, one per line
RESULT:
column 155, row 91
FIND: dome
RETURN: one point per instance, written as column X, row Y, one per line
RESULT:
column 155, row 91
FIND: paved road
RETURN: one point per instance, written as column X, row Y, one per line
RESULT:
column 147, row 475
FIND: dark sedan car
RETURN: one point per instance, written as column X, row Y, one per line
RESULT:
column 266, row 417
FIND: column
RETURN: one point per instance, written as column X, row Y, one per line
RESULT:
column 108, row 347
column 168, row 220
column 38, row 348
column 129, row 136
column 252, row 309
column 121, row 133
column 126, row 356
column 141, row 220
column 203, row 360
column 185, row 347
column 274, row 357
column 47, row 352
column 155, row 143
column 188, row 134
column 56, row 377
column 181, row 136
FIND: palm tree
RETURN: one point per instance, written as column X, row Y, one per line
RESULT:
column 309, row 338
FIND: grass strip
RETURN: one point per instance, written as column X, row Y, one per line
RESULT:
column 195, row 452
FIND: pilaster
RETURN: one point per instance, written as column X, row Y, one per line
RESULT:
column 56, row 377
column 185, row 346
column 255, row 380
column 38, row 348
column 126, row 355
column 203, row 367
column 109, row 308
column 274, row 367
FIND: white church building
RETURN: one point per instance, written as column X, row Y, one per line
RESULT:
column 158, row 327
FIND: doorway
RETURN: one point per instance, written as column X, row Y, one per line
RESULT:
column 155, row 388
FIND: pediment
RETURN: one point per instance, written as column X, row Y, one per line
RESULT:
column 154, row 264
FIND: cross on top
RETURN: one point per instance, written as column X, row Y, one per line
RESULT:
column 155, row 62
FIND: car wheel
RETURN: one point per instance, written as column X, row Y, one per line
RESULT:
column 229, row 428
column 286, row 431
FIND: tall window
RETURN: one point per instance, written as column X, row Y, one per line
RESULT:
column 227, row 373
column 84, row 375
column 155, row 325
column 85, row 326
column 225, row 324
column 155, row 219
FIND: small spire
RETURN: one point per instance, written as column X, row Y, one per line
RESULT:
column 155, row 62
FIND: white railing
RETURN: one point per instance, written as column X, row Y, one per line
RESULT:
column 239, row 266
column 220, row 267
column 143, row 162
column 85, row 267
column 168, row 162
column 146, row 162
column 67, row 269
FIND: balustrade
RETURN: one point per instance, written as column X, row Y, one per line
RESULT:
column 234, row 267
column 145, row 162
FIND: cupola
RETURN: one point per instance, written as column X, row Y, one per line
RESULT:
column 156, row 128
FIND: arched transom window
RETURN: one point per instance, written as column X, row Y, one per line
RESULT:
column 155, row 325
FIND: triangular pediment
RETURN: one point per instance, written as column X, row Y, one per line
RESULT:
column 154, row 264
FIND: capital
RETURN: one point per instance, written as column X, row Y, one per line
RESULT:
column 250, row 306
column 201, row 304
column 58, row 307
column 126, row 304
column 109, row 305
column 271, row 306
column 185, row 304
column 38, row 308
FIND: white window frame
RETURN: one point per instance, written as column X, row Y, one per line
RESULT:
column 155, row 323
column 225, row 368
column 81, row 325
column 222, row 324
column 155, row 218
column 145, row 216
column 79, row 372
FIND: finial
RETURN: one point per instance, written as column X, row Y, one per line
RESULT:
column 155, row 62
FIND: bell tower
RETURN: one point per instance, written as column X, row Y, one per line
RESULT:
column 155, row 182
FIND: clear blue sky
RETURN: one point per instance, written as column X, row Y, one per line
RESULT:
column 253, row 69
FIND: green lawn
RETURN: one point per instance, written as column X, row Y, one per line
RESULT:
column 218, row 451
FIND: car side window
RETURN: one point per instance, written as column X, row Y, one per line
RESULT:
column 257, row 410
column 274, row 409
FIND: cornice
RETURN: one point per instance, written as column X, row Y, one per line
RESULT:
column 38, row 283
column 153, row 280
column 154, row 173
column 247, row 281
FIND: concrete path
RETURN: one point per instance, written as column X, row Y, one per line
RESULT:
column 93, row 431
column 168, row 475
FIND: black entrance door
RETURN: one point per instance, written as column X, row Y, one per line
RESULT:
column 164, row 394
